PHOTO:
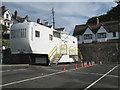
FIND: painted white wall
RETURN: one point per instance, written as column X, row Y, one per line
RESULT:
column 9, row 15
column 9, row 18
column 102, row 30
column 88, row 31
column 38, row 45
column 21, row 44
column 65, row 58
column 110, row 36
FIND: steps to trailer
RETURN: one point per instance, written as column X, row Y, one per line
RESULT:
column 61, row 55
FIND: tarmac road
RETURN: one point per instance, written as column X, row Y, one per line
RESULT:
column 96, row 76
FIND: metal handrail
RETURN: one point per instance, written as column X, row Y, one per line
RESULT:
column 80, row 54
column 52, row 52
column 60, row 51
column 73, row 51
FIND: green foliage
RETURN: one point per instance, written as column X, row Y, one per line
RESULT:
column 6, row 43
column 4, row 28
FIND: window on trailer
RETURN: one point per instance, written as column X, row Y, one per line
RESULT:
column 56, row 34
column 37, row 34
column 50, row 37
column 12, row 33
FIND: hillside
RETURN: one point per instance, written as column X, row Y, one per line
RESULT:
column 112, row 15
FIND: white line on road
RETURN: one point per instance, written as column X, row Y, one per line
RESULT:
column 97, row 74
column 16, row 82
column 12, row 70
column 100, row 78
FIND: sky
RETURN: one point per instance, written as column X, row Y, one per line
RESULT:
column 67, row 14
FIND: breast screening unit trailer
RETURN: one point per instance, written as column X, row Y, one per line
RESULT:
column 42, row 43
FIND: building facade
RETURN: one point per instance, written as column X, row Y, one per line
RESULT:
column 101, row 32
column 6, row 18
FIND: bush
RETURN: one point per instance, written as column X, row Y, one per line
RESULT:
column 6, row 43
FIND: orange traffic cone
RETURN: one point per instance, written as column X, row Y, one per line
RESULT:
column 82, row 65
column 75, row 66
column 100, row 62
column 89, row 64
column 64, row 68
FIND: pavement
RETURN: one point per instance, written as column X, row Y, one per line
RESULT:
column 34, row 76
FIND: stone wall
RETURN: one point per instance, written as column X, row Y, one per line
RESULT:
column 106, row 52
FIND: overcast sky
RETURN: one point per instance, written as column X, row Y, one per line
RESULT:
column 67, row 14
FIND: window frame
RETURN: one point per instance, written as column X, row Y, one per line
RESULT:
column 101, row 35
column 114, row 34
column 7, row 15
column 87, row 36
column 50, row 37
column 37, row 33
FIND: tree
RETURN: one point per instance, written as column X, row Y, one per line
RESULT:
column 4, row 29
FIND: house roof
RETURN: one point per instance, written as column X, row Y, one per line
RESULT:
column 3, row 11
column 20, row 19
column 94, row 28
column 110, row 26
column 49, row 26
column 59, row 29
column 79, row 29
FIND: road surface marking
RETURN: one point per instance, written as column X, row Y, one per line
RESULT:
column 13, row 70
column 100, row 78
column 97, row 74
column 16, row 82
column 15, row 65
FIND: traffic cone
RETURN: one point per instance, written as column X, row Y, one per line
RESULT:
column 64, row 68
column 75, row 66
column 82, row 65
column 92, row 62
column 85, row 64
column 100, row 62
column 89, row 64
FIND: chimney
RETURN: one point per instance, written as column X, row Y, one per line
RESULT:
column 98, row 21
column 15, row 13
column 26, row 17
column 46, row 24
column 38, row 21
column 3, row 8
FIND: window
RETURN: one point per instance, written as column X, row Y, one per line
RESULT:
column 50, row 37
column 12, row 33
column 5, row 23
column 37, row 34
column 8, row 25
column 114, row 34
column 88, row 36
column 7, row 15
column 56, row 34
column 18, row 33
column 23, row 33
column 78, row 38
column 101, row 35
